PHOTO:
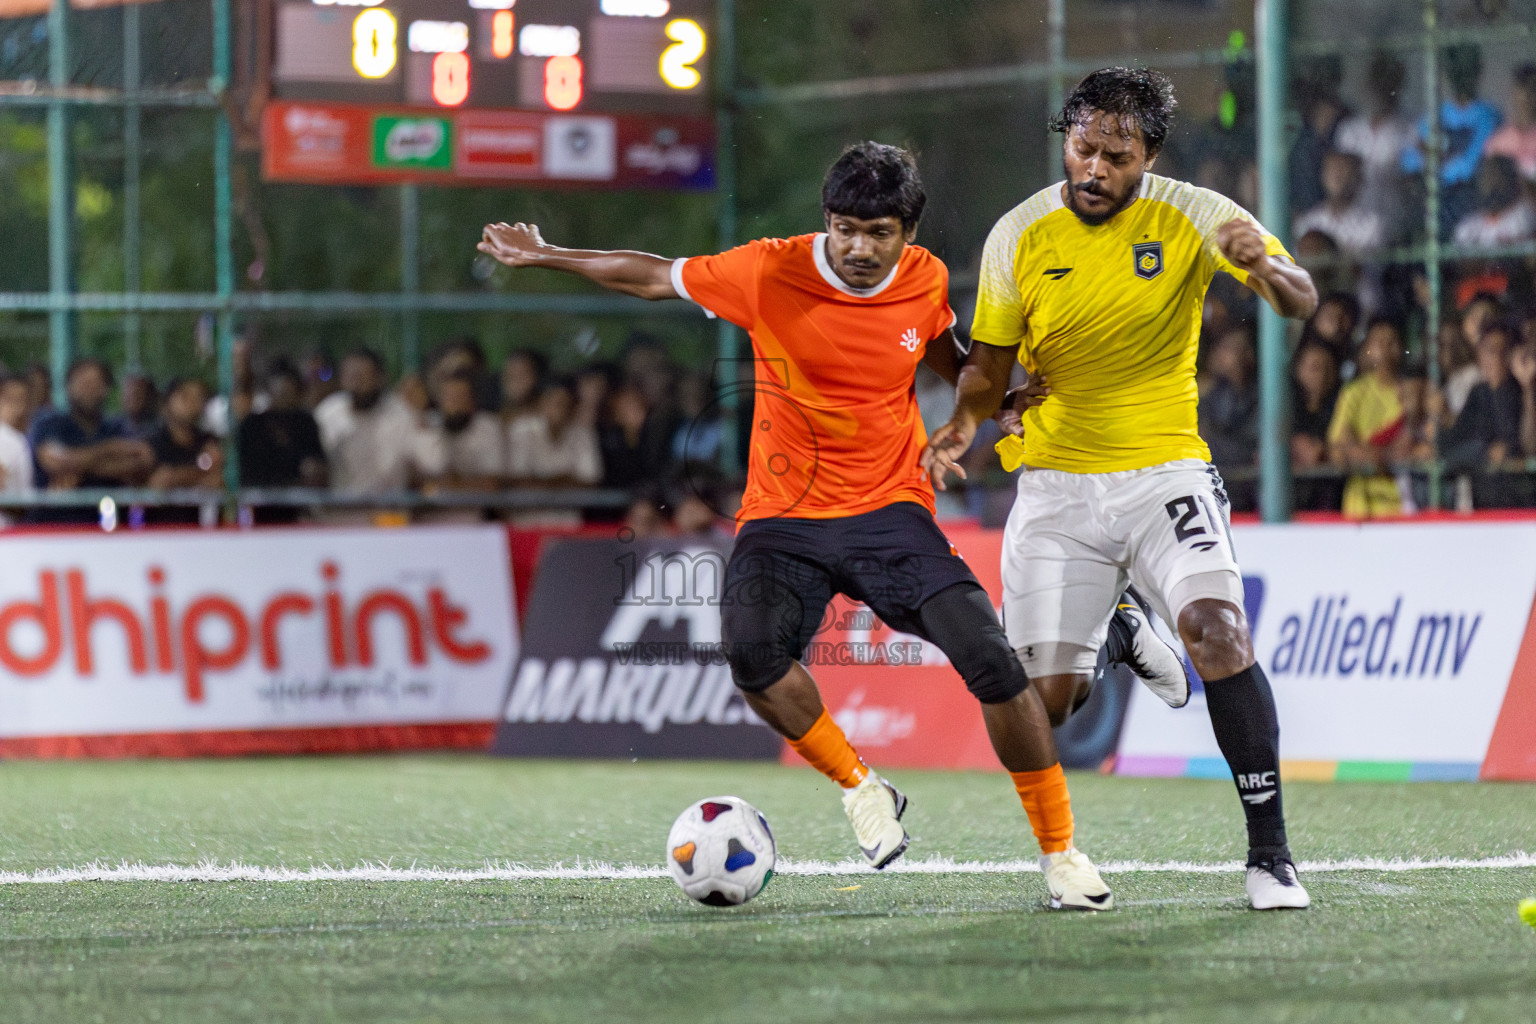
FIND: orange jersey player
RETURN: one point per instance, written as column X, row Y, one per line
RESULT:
column 836, row 429
column 837, row 500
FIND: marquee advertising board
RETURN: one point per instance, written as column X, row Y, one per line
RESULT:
column 622, row 658
column 193, row 643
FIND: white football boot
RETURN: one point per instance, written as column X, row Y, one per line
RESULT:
column 875, row 808
column 1272, row 885
column 1074, row 882
column 1133, row 642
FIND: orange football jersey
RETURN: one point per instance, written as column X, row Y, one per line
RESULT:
column 836, row 430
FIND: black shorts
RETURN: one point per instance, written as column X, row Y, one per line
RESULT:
column 783, row 573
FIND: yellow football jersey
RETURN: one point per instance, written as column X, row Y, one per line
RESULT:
column 1110, row 315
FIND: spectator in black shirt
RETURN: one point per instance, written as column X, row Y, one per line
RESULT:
column 280, row 446
column 141, row 404
column 186, row 455
column 1317, row 90
column 1229, row 409
column 1314, row 391
column 40, row 389
column 1522, row 366
column 1333, row 326
column 636, row 446
column 1487, row 431
column 84, row 447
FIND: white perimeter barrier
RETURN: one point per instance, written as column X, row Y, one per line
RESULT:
column 1395, row 651
column 229, row 642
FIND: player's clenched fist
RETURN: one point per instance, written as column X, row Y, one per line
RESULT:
column 516, row 245
column 1241, row 243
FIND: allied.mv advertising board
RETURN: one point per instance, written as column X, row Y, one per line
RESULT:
column 1395, row 651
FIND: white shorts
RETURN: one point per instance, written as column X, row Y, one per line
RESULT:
column 1073, row 540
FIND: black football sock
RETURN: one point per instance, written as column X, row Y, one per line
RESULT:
column 1243, row 717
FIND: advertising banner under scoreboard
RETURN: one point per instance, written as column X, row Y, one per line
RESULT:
column 350, row 144
column 233, row 642
column 622, row 658
column 1395, row 651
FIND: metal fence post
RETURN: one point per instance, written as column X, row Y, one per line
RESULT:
column 726, row 340
column 1274, row 211
column 61, row 203
column 223, row 240
column 133, row 274
column 410, row 275
column 1432, row 144
column 1055, row 88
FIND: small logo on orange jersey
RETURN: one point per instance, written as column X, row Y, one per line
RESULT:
column 910, row 340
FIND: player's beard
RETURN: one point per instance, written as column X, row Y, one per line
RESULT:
column 1095, row 219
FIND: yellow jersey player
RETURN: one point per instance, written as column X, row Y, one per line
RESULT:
column 1095, row 285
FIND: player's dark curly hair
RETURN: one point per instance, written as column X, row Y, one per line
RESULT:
column 1138, row 95
column 872, row 180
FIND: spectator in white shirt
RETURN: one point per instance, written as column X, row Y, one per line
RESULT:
column 1378, row 138
column 522, row 375
column 1341, row 216
column 551, row 448
column 548, row 446
column 1517, row 139
column 1504, row 216
column 475, row 441
column 15, row 452
column 375, row 443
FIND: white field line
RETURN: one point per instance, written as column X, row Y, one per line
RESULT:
column 210, row 871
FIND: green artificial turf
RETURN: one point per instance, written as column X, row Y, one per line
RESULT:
column 1376, row 946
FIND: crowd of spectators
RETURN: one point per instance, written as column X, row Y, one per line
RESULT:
column 1367, row 423
column 1366, row 420
column 641, row 426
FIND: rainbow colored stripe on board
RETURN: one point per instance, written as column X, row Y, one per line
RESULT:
column 1308, row 771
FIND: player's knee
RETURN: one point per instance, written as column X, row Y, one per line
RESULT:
column 758, row 621
column 992, row 673
column 1215, row 633
column 1062, row 695
column 961, row 621
column 1062, row 672
column 757, row 664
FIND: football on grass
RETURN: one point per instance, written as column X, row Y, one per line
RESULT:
column 721, row 851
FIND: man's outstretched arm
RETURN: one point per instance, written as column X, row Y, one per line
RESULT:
column 630, row 273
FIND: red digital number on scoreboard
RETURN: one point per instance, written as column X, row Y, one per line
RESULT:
column 450, row 79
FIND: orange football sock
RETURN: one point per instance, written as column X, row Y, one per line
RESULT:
column 830, row 753
column 1049, row 806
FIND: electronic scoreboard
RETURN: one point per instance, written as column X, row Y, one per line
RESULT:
column 592, row 92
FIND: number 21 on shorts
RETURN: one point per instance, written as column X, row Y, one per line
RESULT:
column 1182, row 511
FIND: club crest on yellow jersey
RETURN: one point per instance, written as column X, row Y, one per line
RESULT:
column 1148, row 257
